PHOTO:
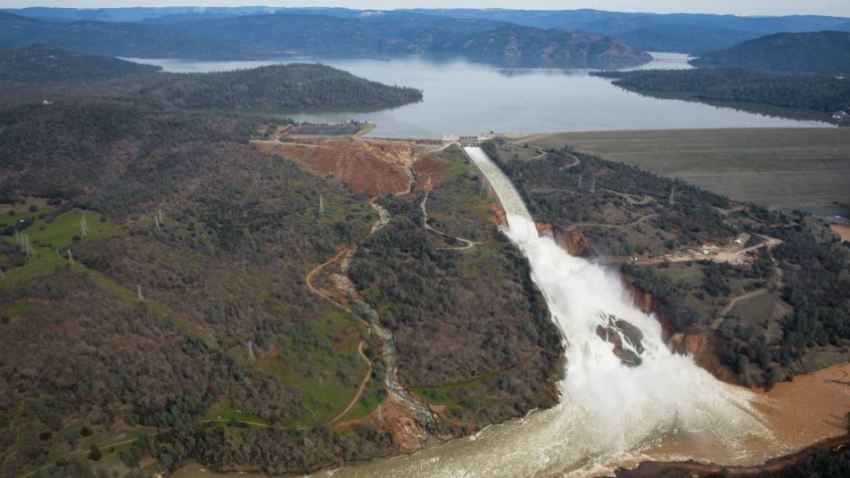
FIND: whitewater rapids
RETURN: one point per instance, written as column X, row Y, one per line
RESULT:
column 607, row 410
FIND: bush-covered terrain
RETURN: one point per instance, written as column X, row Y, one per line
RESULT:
column 473, row 333
column 44, row 63
column 158, row 286
column 155, row 307
column 290, row 87
column 293, row 87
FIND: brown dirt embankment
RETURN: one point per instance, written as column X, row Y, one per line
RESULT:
column 369, row 167
column 842, row 230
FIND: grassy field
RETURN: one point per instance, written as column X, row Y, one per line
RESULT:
column 784, row 168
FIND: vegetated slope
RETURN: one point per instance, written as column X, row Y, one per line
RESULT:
column 820, row 93
column 307, row 33
column 295, row 86
column 157, row 261
column 116, row 39
column 676, row 244
column 162, row 291
column 818, row 52
column 472, row 331
column 44, row 63
column 526, row 46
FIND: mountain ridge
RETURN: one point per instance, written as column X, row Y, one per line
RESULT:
column 825, row 52
column 314, row 35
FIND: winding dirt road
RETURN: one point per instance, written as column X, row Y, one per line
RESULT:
column 467, row 244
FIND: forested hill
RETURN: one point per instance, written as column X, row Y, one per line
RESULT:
column 825, row 94
column 45, row 63
column 820, row 52
column 295, row 86
column 516, row 45
column 270, row 88
column 379, row 34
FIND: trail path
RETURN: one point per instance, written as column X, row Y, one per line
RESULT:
column 731, row 305
column 467, row 244
column 360, row 389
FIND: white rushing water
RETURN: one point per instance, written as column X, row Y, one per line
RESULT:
column 608, row 410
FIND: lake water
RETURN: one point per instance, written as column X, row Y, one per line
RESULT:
column 467, row 98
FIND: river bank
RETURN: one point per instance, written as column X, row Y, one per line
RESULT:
column 800, row 414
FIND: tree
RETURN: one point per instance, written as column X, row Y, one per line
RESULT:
column 94, row 453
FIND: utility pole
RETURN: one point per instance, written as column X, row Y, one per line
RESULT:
column 84, row 227
column 321, row 206
column 672, row 195
column 139, row 293
column 593, row 186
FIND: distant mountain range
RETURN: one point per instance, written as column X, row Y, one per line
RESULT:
column 685, row 33
column 44, row 63
column 819, row 52
column 305, row 33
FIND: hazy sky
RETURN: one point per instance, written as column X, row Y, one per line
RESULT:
column 744, row 7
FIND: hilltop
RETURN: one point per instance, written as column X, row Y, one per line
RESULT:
column 293, row 86
column 526, row 46
column 825, row 52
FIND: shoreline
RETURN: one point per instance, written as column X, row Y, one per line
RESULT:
column 648, row 469
column 804, row 415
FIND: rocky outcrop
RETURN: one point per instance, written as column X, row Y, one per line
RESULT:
column 625, row 337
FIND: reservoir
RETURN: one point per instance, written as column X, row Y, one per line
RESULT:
column 467, row 98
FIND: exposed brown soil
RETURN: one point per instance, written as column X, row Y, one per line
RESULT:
column 397, row 419
column 842, row 230
column 369, row 167
column 700, row 348
column 429, row 172
column 574, row 242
